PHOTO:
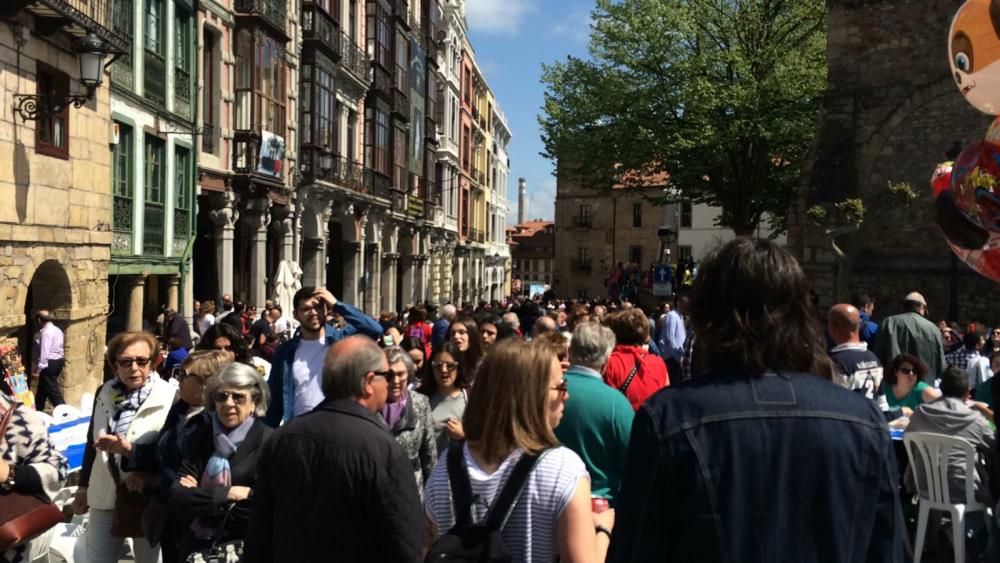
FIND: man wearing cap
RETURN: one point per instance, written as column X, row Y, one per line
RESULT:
column 912, row 333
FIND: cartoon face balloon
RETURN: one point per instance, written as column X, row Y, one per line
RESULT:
column 974, row 52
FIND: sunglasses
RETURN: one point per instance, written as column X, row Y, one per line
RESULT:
column 127, row 362
column 562, row 388
column 448, row 366
column 180, row 374
column 906, row 371
column 223, row 396
column 388, row 374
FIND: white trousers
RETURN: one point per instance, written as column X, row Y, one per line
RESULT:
column 102, row 547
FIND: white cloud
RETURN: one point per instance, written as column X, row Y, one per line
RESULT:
column 542, row 200
column 500, row 17
column 574, row 26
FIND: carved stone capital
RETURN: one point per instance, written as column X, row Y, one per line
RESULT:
column 224, row 212
column 257, row 213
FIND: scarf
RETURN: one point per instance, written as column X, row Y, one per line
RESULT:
column 127, row 403
column 393, row 412
column 217, row 470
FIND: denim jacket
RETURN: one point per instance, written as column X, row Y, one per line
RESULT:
column 773, row 468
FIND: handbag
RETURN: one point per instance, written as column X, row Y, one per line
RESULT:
column 220, row 552
column 129, row 507
column 23, row 517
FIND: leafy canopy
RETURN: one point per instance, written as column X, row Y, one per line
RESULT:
column 720, row 94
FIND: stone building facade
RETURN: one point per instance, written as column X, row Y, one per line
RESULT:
column 890, row 113
column 55, row 169
column 532, row 250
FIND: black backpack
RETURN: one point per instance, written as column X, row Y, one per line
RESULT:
column 468, row 542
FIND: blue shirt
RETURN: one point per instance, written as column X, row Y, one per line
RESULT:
column 672, row 336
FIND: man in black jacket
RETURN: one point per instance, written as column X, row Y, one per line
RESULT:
column 333, row 484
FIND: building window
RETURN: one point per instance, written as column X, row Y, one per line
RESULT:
column 635, row 254
column 584, row 254
column 352, row 136
column 377, row 139
column 637, row 215
column 377, row 30
column 584, row 213
column 319, row 107
column 153, row 26
column 683, row 253
column 182, row 192
column 155, row 177
column 210, row 112
column 52, row 130
column 182, row 60
column 122, row 181
column 686, row 214
column 271, row 85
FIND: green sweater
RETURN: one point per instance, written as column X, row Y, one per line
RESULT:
column 596, row 424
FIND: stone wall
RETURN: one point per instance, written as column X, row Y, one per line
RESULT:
column 55, row 214
column 891, row 112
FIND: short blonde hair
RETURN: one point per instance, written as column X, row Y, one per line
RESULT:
column 208, row 362
column 508, row 407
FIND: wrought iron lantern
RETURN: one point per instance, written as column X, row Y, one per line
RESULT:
column 92, row 53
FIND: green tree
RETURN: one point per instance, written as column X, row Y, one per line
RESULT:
column 722, row 95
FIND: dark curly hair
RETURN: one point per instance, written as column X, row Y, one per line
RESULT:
column 751, row 310
column 919, row 367
column 225, row 330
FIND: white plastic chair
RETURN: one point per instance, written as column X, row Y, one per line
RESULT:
column 929, row 461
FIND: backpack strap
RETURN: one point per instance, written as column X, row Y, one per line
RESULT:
column 507, row 499
column 461, row 488
column 631, row 375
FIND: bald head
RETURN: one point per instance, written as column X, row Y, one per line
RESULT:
column 844, row 323
column 346, row 368
column 544, row 324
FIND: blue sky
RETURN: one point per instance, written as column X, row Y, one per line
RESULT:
column 512, row 38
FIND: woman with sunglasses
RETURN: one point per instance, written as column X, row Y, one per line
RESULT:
column 185, row 417
column 129, row 412
column 408, row 415
column 905, row 388
column 518, row 401
column 447, row 388
column 215, row 489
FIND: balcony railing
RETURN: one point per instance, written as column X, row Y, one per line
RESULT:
column 208, row 138
column 477, row 235
column 314, row 163
column 181, row 229
column 580, row 265
column 355, row 60
column 321, row 28
column 401, row 10
column 583, row 221
column 122, row 71
column 272, row 11
column 182, row 92
column 79, row 17
column 152, row 231
column 154, row 77
column 122, row 223
column 376, row 184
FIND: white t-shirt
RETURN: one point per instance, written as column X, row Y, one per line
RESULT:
column 205, row 322
column 307, row 375
column 530, row 533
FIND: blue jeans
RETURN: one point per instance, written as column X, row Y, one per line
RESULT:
column 102, row 547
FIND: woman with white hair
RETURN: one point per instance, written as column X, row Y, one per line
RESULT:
column 408, row 415
column 215, row 490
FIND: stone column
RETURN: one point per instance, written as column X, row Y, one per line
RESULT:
column 188, row 292
column 313, row 262
column 135, row 302
column 407, row 289
column 282, row 222
column 352, row 273
column 373, row 279
column 388, row 285
column 224, row 216
column 459, row 297
column 173, row 287
column 256, row 217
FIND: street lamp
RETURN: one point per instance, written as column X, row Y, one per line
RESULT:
column 92, row 52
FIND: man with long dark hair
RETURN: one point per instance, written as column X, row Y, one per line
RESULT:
column 762, row 458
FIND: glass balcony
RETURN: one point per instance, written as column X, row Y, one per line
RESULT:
column 271, row 11
column 152, row 232
column 154, row 77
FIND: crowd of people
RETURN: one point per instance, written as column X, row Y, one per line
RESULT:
column 535, row 428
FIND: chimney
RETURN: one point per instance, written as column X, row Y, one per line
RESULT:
column 522, row 191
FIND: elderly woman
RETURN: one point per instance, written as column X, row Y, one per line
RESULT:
column 29, row 465
column 185, row 417
column 408, row 414
column 219, row 469
column 129, row 412
column 632, row 369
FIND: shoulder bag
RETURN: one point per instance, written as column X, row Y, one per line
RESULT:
column 23, row 517
column 631, row 375
column 129, row 506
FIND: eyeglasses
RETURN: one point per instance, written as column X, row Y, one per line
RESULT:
column 223, row 396
column 127, row 362
column 180, row 374
column 388, row 374
column 448, row 366
column 906, row 371
column 562, row 388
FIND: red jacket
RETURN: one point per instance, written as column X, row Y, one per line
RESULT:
column 650, row 378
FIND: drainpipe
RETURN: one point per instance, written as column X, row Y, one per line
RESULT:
column 186, row 266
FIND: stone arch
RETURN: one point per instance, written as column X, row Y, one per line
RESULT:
column 872, row 148
column 50, row 288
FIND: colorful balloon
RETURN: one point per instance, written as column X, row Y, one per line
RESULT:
column 975, row 184
column 941, row 179
column 974, row 54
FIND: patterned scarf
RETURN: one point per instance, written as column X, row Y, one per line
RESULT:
column 127, row 403
column 217, row 471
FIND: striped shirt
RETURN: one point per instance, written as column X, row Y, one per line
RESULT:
column 530, row 533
